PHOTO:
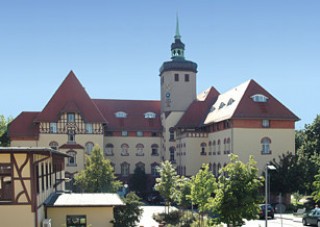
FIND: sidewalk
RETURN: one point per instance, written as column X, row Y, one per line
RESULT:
column 295, row 218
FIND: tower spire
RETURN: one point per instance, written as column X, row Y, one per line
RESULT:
column 177, row 36
column 177, row 48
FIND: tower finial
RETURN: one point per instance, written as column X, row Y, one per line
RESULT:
column 177, row 35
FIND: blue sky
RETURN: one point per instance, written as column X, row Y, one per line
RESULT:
column 117, row 47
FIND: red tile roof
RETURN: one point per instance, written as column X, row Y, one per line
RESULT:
column 272, row 109
column 198, row 110
column 135, row 110
column 71, row 97
column 23, row 126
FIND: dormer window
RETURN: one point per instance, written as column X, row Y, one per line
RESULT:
column 212, row 109
column 222, row 104
column 121, row 114
column 259, row 98
column 231, row 100
column 150, row 115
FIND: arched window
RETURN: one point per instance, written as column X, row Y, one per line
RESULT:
column 141, row 166
column 228, row 146
column 225, row 146
column 265, row 142
column 108, row 149
column 203, row 148
column 54, row 145
column 89, row 147
column 155, row 169
column 72, row 161
column 172, row 154
column 219, row 147
column 124, row 149
column 149, row 115
column 214, row 148
column 125, row 169
column 139, row 148
column 154, row 149
column 214, row 169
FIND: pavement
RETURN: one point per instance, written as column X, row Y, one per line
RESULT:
column 147, row 215
column 148, row 211
column 292, row 217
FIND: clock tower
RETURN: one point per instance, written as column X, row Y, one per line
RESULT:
column 178, row 79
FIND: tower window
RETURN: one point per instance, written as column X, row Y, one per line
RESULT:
column 176, row 77
column 186, row 77
column 53, row 127
column 265, row 123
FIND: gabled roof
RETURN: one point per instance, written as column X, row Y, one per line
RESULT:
column 238, row 103
column 23, row 126
column 272, row 109
column 198, row 110
column 135, row 110
column 70, row 97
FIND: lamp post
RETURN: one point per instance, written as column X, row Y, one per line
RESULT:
column 268, row 167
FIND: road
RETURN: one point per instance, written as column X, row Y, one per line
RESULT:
column 277, row 222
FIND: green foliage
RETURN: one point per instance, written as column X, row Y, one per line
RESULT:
column 308, row 150
column 98, row 176
column 184, row 199
column 203, row 185
column 4, row 138
column 181, row 218
column 289, row 176
column 236, row 197
column 138, row 181
column 167, row 184
column 130, row 214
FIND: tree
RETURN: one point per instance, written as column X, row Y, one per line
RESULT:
column 238, row 186
column 308, row 150
column 4, row 138
column 138, row 181
column 130, row 214
column 290, row 175
column 167, row 183
column 98, row 176
column 203, row 185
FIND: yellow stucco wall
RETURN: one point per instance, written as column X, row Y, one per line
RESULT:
column 96, row 216
column 132, row 158
column 16, row 215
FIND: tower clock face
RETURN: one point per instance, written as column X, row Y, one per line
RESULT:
column 168, row 94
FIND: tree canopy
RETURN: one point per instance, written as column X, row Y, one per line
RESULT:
column 167, row 183
column 4, row 138
column 238, row 186
column 130, row 214
column 98, row 175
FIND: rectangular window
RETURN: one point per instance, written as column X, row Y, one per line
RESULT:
column 139, row 133
column 71, row 117
column 6, row 184
column 89, row 128
column 265, row 123
column 176, row 77
column 76, row 221
column 53, row 127
column 124, row 133
column 71, row 136
column 186, row 77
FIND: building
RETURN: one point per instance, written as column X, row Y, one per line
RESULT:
column 28, row 176
column 184, row 127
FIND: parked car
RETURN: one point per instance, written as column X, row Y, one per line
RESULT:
column 262, row 211
column 312, row 218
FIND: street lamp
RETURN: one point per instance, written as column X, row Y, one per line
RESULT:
column 268, row 167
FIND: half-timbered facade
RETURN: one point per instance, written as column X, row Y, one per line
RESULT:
column 28, row 176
